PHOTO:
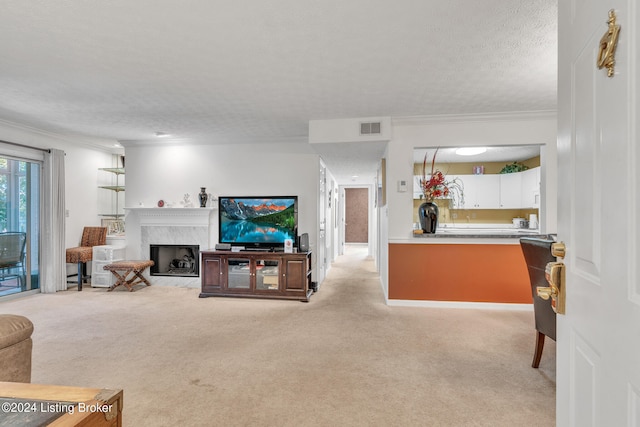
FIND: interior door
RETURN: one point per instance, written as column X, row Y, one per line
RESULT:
column 598, row 340
column 356, row 215
column 321, row 256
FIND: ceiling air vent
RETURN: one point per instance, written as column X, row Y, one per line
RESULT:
column 371, row 128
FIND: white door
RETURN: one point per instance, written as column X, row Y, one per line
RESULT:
column 598, row 340
column 322, row 225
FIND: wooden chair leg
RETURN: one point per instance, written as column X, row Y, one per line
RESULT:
column 539, row 346
column 79, row 276
column 141, row 278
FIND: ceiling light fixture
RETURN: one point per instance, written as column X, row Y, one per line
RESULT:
column 470, row 151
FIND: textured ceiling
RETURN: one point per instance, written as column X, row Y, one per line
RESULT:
column 229, row 71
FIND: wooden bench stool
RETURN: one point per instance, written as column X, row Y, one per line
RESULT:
column 122, row 269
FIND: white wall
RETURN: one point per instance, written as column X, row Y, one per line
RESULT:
column 168, row 171
column 465, row 131
column 84, row 200
column 81, row 174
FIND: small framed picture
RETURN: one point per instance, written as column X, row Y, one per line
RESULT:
column 288, row 245
column 115, row 227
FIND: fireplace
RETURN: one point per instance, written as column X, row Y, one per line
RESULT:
column 175, row 260
column 169, row 226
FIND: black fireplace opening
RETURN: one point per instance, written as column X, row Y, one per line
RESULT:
column 175, row 260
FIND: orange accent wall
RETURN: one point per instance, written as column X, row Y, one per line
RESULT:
column 458, row 272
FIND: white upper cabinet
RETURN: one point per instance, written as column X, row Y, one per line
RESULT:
column 480, row 191
column 519, row 190
column 511, row 190
column 531, row 188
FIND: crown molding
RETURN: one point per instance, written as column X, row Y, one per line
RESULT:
column 213, row 140
column 488, row 117
column 91, row 142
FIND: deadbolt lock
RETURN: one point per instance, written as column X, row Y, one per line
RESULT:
column 558, row 249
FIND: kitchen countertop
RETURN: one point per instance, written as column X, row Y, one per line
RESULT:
column 470, row 232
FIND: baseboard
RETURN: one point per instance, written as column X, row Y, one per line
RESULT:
column 460, row 304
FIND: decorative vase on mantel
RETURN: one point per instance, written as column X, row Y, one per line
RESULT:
column 203, row 196
column 428, row 215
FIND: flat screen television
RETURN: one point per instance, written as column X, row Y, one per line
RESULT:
column 257, row 222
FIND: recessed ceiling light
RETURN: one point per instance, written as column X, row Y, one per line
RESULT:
column 470, row 151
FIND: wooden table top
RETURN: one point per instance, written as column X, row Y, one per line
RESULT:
column 81, row 406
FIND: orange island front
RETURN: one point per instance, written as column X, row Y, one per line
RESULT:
column 435, row 270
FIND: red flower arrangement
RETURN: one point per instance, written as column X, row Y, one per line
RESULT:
column 436, row 186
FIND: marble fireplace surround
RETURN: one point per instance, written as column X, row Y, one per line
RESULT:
column 171, row 226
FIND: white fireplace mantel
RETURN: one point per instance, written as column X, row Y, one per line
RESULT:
column 172, row 216
column 168, row 226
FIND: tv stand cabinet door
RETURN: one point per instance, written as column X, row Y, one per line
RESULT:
column 295, row 276
column 213, row 277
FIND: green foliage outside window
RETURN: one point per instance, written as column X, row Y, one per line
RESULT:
column 13, row 194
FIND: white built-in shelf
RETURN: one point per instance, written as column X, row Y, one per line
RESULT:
column 117, row 171
column 116, row 188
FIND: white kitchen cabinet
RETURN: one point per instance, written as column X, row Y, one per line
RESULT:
column 531, row 188
column 511, row 190
column 480, row 191
column 518, row 190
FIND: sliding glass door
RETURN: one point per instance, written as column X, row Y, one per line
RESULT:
column 19, row 225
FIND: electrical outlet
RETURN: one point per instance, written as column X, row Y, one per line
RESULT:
column 454, row 215
column 473, row 215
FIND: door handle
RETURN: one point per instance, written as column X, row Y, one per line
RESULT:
column 554, row 272
column 608, row 42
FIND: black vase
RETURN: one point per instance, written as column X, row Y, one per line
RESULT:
column 203, row 196
column 428, row 214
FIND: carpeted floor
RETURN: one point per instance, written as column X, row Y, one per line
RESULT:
column 343, row 359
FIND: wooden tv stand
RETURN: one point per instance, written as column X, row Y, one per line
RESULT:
column 256, row 274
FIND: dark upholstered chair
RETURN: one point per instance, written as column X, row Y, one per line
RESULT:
column 537, row 253
column 12, row 256
column 91, row 236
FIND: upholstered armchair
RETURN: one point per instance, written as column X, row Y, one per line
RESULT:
column 15, row 348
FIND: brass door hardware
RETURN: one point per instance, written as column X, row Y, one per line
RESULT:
column 608, row 43
column 558, row 249
column 555, row 275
